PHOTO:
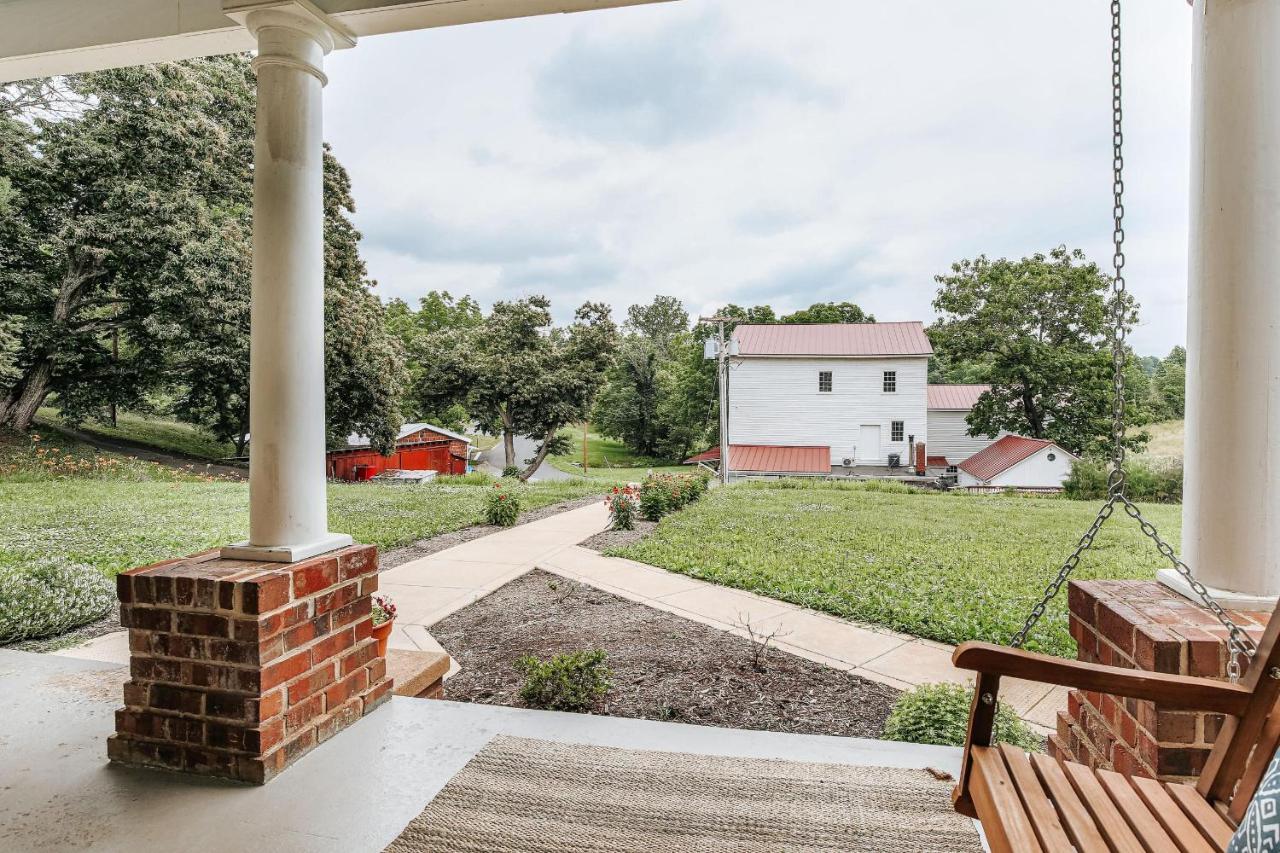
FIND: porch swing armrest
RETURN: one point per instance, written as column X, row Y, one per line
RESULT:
column 1175, row 692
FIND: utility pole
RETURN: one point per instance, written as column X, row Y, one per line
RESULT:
column 722, row 381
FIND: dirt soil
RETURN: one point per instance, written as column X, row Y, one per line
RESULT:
column 606, row 539
column 426, row 547
column 664, row 667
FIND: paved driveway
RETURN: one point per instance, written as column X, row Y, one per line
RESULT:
column 526, row 448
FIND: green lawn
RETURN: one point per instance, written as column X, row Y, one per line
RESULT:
column 160, row 433
column 116, row 525
column 608, row 459
column 113, row 512
column 950, row 567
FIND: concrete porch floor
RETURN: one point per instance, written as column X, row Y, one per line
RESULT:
column 354, row 793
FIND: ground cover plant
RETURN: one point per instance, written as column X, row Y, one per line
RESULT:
column 939, row 714
column 950, row 567
column 570, row 681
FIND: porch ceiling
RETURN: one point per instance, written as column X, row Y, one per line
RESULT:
column 42, row 38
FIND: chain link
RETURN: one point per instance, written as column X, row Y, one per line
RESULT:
column 1238, row 643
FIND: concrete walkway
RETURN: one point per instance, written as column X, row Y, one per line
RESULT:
column 429, row 589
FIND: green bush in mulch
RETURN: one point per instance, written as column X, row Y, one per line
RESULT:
column 50, row 596
column 939, row 714
column 574, row 681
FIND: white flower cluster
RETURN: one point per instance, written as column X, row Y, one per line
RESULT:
column 50, row 597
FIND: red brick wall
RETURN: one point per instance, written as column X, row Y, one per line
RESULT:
column 239, row 668
column 1143, row 625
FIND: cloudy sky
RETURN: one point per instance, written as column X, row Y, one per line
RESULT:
column 757, row 151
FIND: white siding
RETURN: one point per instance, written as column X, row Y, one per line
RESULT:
column 776, row 401
column 949, row 436
column 1037, row 471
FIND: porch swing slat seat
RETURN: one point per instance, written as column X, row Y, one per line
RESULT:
column 1034, row 803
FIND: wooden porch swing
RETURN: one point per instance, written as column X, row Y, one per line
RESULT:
column 1034, row 803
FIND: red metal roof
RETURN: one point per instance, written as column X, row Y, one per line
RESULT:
column 937, row 462
column 959, row 397
column 712, row 455
column 773, row 459
column 1002, row 455
column 834, row 339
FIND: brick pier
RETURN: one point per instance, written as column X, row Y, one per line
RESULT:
column 239, row 668
column 1143, row 625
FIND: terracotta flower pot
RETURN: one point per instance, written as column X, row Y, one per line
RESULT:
column 382, row 633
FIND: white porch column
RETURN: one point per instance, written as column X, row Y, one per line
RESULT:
column 288, row 507
column 1231, row 509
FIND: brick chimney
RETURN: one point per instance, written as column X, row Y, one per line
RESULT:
column 921, row 459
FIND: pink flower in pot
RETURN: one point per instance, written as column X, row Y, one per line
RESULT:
column 384, row 616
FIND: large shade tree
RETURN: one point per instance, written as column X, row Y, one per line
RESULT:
column 518, row 374
column 1039, row 325
column 125, row 253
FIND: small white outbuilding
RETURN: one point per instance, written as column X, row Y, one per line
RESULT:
column 1017, row 462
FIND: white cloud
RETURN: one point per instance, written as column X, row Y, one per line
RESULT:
column 751, row 151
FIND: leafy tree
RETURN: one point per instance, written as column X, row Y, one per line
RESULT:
column 660, row 321
column 129, row 221
column 1041, row 324
column 1169, row 385
column 830, row 312
column 519, row 375
column 437, row 312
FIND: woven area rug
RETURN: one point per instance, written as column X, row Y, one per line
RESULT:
column 535, row 796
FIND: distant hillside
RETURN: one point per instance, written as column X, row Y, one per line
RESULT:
column 1166, row 439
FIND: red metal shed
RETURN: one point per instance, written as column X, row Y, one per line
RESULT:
column 419, row 447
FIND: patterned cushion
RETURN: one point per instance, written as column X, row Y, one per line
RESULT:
column 1259, row 832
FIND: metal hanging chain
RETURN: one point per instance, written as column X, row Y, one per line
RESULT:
column 1238, row 643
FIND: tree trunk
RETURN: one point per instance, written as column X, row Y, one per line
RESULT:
column 27, row 396
column 509, row 448
column 538, row 457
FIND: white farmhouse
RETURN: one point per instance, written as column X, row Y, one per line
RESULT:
column 807, row 399
column 858, row 389
column 1016, row 462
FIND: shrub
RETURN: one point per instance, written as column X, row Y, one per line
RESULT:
column 511, row 471
column 574, row 681
column 622, row 508
column 502, row 505
column 939, row 714
column 51, row 597
column 664, row 493
column 1158, row 481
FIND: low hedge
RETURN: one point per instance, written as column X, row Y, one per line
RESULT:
column 1152, row 481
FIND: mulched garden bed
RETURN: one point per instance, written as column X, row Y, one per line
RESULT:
column 664, row 667
column 426, row 547
column 607, row 539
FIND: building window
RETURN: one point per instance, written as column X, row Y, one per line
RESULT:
column 952, row 469
column 890, row 381
column 896, row 429
column 1052, row 456
column 824, row 381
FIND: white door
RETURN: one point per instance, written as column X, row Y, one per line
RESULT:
column 869, row 444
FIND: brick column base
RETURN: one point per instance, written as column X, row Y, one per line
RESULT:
column 1143, row 625
column 239, row 668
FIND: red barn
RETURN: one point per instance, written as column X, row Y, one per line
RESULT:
column 419, row 447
